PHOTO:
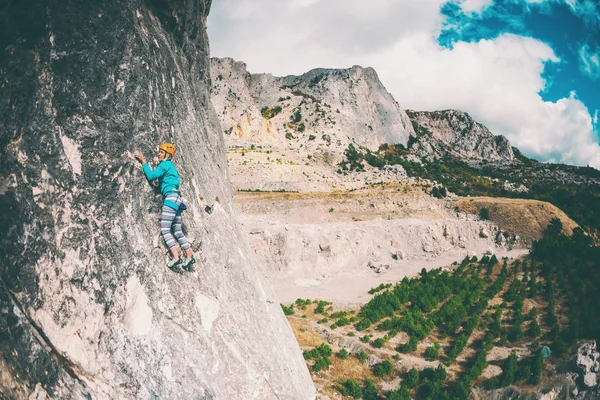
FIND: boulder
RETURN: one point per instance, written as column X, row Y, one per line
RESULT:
column 588, row 359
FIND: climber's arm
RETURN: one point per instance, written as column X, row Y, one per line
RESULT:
column 153, row 174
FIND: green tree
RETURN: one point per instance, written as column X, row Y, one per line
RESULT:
column 352, row 389
column 412, row 378
column 370, row 391
column 321, row 364
column 409, row 346
column 362, row 356
column 287, row 310
column 537, row 365
column 509, row 370
column 533, row 286
column 382, row 369
column 554, row 228
column 268, row 112
column 296, row 117
column 532, row 313
column 523, row 373
column 343, row 354
column 432, row 352
column 400, row 394
column 534, row 329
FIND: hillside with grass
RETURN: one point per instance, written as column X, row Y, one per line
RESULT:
column 524, row 217
column 574, row 190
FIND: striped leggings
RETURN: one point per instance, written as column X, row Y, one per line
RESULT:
column 172, row 219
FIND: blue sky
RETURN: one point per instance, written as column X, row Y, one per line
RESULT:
column 527, row 69
column 573, row 34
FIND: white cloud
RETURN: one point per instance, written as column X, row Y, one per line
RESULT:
column 475, row 6
column 282, row 38
column 497, row 81
column 571, row 136
column 304, row 3
column 589, row 61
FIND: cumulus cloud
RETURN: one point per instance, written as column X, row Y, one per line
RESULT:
column 497, row 81
column 282, row 38
column 571, row 136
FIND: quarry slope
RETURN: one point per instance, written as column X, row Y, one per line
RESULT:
column 88, row 307
column 335, row 246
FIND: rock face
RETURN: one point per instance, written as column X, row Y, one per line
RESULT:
column 88, row 307
column 336, row 247
column 588, row 359
column 291, row 132
column 446, row 133
column 338, row 106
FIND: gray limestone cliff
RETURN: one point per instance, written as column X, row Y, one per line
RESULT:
column 88, row 308
column 305, row 123
column 320, row 107
column 453, row 133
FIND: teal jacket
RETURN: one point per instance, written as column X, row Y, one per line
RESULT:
column 167, row 176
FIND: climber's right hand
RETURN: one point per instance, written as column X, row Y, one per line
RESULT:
column 140, row 157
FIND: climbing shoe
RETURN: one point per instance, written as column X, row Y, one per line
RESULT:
column 187, row 264
column 174, row 264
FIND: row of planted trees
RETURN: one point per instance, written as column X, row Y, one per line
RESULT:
column 562, row 275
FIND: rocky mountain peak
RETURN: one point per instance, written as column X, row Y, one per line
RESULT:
column 453, row 133
column 336, row 107
column 312, row 118
column 315, row 109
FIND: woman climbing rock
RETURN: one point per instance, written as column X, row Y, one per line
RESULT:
column 173, row 206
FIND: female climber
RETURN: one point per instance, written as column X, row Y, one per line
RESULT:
column 173, row 206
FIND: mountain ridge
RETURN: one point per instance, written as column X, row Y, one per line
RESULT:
column 324, row 110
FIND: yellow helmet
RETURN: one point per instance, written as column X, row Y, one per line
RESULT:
column 168, row 148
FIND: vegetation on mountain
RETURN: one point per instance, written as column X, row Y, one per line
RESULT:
column 270, row 112
column 579, row 199
column 352, row 389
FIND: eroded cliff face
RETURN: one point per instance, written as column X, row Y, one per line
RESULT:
column 89, row 309
column 298, row 127
column 453, row 133
column 334, row 106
